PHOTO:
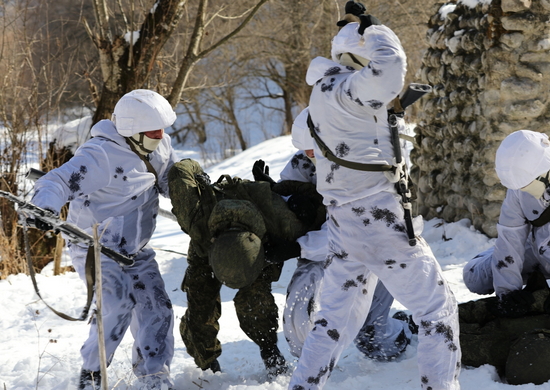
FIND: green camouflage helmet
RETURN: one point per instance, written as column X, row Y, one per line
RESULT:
column 528, row 358
column 237, row 253
column 236, row 213
column 237, row 258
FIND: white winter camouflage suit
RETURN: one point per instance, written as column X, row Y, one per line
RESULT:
column 380, row 337
column 519, row 249
column 366, row 229
column 107, row 184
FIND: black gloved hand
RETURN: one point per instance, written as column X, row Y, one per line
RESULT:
column 367, row 21
column 303, row 207
column 355, row 8
column 260, row 171
column 515, row 304
column 39, row 224
column 278, row 251
column 203, row 178
column 42, row 225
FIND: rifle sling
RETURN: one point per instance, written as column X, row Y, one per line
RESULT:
column 90, row 280
column 543, row 219
column 145, row 161
column 345, row 163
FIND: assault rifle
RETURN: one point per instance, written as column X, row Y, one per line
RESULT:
column 411, row 95
column 414, row 92
column 74, row 233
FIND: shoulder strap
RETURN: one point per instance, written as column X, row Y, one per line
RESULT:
column 543, row 219
column 145, row 161
column 90, row 280
column 345, row 163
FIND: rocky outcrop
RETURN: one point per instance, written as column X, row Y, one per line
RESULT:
column 489, row 65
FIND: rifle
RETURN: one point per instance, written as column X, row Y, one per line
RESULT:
column 411, row 95
column 74, row 233
column 414, row 92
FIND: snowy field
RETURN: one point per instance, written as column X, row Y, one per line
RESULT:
column 41, row 351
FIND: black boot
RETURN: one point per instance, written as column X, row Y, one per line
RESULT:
column 89, row 380
column 274, row 361
column 402, row 316
column 214, row 366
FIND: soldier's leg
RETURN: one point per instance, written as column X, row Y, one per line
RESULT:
column 414, row 277
column 258, row 317
column 199, row 326
column 344, row 297
column 382, row 337
column 477, row 273
column 152, row 321
column 117, row 305
column 300, row 303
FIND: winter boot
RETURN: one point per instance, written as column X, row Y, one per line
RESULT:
column 379, row 348
column 274, row 361
column 214, row 366
column 402, row 316
column 89, row 380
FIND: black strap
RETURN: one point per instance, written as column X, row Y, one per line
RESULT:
column 348, row 164
column 90, row 280
column 145, row 161
column 543, row 219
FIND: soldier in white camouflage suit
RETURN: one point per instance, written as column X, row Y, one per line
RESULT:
column 522, row 164
column 381, row 337
column 108, row 183
column 367, row 237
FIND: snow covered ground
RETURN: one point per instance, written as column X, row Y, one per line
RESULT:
column 39, row 350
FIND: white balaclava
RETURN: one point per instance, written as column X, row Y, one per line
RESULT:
column 521, row 159
column 139, row 111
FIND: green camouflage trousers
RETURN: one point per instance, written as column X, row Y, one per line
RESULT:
column 255, row 306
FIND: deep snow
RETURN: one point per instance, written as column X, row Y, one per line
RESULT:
column 41, row 351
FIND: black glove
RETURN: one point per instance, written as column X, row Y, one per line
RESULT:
column 355, row 8
column 260, row 171
column 279, row 251
column 515, row 304
column 203, row 179
column 352, row 8
column 367, row 21
column 40, row 224
column 303, row 207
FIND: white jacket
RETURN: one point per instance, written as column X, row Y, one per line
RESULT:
column 349, row 112
column 106, row 183
column 515, row 234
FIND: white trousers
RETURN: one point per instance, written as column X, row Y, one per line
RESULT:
column 381, row 337
column 133, row 297
column 368, row 237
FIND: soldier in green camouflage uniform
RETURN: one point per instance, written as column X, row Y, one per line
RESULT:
column 213, row 259
column 518, row 347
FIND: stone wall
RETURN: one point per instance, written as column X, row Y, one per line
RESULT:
column 489, row 65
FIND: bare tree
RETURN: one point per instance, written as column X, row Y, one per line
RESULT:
column 293, row 33
column 128, row 58
column 30, row 90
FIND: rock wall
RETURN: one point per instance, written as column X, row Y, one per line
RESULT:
column 489, row 65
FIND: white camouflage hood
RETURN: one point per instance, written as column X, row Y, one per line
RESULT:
column 522, row 156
